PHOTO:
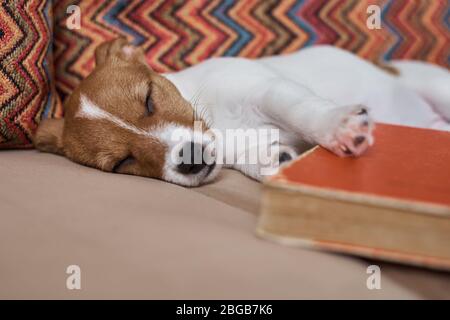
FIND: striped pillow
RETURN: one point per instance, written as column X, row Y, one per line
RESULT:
column 26, row 88
column 176, row 34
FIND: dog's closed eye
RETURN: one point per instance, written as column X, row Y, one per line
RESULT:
column 123, row 162
column 149, row 104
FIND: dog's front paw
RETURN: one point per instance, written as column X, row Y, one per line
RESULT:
column 351, row 132
column 283, row 154
column 269, row 162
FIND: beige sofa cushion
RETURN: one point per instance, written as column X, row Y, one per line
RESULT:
column 135, row 237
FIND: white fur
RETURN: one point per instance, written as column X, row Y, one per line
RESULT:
column 90, row 110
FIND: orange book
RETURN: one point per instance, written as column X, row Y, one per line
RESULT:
column 393, row 203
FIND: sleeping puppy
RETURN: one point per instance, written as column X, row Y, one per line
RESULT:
column 182, row 127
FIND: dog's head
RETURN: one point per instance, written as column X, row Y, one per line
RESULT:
column 126, row 118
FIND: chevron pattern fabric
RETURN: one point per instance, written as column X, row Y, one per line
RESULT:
column 177, row 34
column 26, row 88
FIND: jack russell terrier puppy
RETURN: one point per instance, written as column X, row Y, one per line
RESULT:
column 126, row 118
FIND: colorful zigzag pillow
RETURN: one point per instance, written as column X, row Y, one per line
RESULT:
column 176, row 34
column 27, row 90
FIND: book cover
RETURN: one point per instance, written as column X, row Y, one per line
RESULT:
column 396, row 199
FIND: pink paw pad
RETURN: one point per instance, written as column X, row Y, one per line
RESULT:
column 353, row 136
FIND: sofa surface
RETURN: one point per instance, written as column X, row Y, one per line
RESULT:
column 136, row 237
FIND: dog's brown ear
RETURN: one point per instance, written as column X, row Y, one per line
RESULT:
column 103, row 51
column 48, row 137
column 119, row 48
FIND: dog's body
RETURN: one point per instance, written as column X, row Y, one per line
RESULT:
column 238, row 93
column 319, row 95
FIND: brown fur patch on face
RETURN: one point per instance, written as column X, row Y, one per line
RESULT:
column 120, row 85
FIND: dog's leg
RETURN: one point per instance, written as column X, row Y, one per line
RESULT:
column 430, row 81
column 295, row 110
column 344, row 130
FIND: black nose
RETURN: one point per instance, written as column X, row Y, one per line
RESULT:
column 192, row 161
